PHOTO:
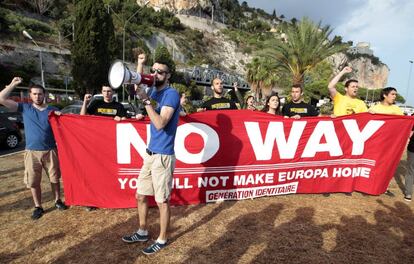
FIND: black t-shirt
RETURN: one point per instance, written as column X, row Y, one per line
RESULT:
column 219, row 104
column 102, row 108
column 302, row 109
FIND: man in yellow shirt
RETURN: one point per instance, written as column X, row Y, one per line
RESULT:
column 387, row 106
column 387, row 103
column 349, row 103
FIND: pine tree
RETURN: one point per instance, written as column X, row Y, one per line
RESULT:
column 93, row 47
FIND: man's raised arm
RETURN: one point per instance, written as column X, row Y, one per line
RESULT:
column 4, row 94
column 335, row 80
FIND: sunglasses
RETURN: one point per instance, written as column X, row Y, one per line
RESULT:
column 158, row 71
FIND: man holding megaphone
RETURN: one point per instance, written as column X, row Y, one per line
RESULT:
column 156, row 174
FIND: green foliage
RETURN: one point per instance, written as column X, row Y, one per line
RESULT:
column 193, row 92
column 26, row 71
column 256, row 26
column 262, row 76
column 93, row 47
column 163, row 56
column 318, row 80
column 14, row 23
column 307, row 44
column 374, row 59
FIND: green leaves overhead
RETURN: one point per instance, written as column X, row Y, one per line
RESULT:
column 304, row 44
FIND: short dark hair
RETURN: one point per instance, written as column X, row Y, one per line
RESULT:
column 349, row 82
column 37, row 86
column 385, row 92
column 166, row 65
column 297, row 85
column 215, row 78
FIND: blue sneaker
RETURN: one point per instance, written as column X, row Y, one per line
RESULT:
column 135, row 237
column 154, row 248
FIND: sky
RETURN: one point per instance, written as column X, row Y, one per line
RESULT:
column 388, row 25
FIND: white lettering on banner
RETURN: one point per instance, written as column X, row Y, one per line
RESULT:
column 358, row 138
column 132, row 183
column 351, row 172
column 300, row 174
column 327, row 129
column 177, row 184
column 210, row 138
column 127, row 135
column 248, row 193
column 275, row 132
column 212, row 181
column 258, row 178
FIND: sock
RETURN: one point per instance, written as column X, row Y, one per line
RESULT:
column 161, row 241
column 142, row 232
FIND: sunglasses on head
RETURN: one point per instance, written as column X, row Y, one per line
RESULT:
column 158, row 71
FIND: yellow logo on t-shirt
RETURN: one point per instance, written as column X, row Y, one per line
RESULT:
column 220, row 106
column 106, row 111
column 299, row 110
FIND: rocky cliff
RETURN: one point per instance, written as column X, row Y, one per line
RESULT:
column 177, row 6
column 368, row 74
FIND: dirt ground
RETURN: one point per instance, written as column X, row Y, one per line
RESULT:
column 284, row 229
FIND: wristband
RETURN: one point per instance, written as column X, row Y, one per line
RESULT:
column 146, row 102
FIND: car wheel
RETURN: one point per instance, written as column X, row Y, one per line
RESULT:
column 12, row 141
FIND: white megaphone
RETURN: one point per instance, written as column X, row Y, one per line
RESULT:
column 119, row 74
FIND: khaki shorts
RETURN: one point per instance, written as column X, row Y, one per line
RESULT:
column 156, row 175
column 35, row 161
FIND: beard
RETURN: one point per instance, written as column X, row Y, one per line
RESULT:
column 159, row 83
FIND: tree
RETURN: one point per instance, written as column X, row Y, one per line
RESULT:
column 40, row 6
column 307, row 44
column 274, row 16
column 94, row 46
column 262, row 76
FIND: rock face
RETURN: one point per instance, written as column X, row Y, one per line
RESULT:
column 56, row 61
column 369, row 75
column 177, row 5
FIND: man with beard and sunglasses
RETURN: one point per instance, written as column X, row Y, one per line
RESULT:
column 155, row 178
column 41, row 152
column 218, row 102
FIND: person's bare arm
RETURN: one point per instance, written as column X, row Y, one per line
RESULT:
column 332, row 84
column 141, row 59
column 86, row 100
column 162, row 119
column 4, row 94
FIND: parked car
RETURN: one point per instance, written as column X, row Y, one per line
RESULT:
column 15, row 117
column 10, row 135
column 131, row 110
column 71, row 109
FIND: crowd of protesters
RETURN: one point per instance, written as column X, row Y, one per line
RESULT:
column 156, row 180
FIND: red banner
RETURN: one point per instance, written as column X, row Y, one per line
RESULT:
column 232, row 155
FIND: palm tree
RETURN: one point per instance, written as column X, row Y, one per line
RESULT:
column 307, row 44
column 262, row 76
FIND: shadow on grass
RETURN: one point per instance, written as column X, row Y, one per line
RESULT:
column 104, row 247
column 25, row 203
column 2, row 195
column 255, row 238
column 36, row 245
column 204, row 220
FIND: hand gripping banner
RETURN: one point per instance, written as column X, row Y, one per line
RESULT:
column 231, row 155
